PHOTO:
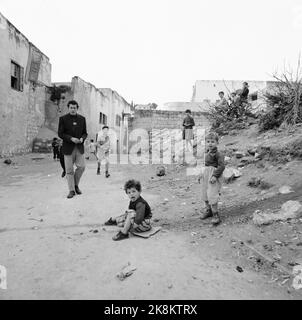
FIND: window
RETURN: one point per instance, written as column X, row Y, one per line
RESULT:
column 118, row 120
column 16, row 76
column 103, row 119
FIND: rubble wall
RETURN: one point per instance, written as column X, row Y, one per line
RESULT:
column 157, row 123
column 156, row 119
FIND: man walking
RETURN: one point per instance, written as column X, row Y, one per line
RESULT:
column 72, row 130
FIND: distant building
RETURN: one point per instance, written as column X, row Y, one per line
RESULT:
column 149, row 106
column 25, row 74
column 206, row 91
column 183, row 106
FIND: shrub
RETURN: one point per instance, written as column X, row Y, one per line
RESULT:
column 284, row 100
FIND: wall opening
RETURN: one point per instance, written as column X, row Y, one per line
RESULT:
column 17, row 73
column 118, row 120
column 103, row 119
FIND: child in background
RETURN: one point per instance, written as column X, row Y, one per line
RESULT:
column 103, row 149
column 55, row 149
column 137, row 217
column 188, row 125
column 90, row 149
column 62, row 160
column 210, row 179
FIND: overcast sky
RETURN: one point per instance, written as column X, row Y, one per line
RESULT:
column 154, row 51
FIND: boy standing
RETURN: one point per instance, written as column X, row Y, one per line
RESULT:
column 103, row 149
column 210, row 179
column 188, row 125
column 137, row 218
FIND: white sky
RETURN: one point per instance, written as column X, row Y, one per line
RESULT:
column 155, row 50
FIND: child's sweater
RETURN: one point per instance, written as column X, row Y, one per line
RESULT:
column 188, row 122
column 142, row 209
column 215, row 159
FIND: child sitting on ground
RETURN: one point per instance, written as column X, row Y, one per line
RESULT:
column 137, row 218
column 211, row 178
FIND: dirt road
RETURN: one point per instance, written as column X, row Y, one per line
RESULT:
column 50, row 252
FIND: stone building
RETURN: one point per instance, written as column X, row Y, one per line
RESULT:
column 206, row 92
column 99, row 106
column 25, row 74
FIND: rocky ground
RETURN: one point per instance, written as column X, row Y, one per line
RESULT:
column 57, row 248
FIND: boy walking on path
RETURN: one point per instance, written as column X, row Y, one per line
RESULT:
column 103, row 150
column 72, row 130
column 211, row 178
column 137, row 217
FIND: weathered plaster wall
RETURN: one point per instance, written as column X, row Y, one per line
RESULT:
column 206, row 91
column 92, row 102
column 21, row 113
column 209, row 89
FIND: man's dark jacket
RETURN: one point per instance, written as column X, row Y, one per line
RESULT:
column 72, row 127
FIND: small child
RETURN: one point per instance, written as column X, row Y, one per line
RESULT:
column 188, row 125
column 62, row 160
column 55, row 149
column 137, row 218
column 103, row 150
column 210, row 179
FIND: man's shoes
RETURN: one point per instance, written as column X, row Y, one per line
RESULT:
column 216, row 219
column 110, row 222
column 120, row 236
column 107, row 175
column 77, row 190
column 207, row 214
column 63, row 174
column 71, row 195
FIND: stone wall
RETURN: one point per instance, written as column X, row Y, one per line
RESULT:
column 156, row 119
column 22, row 112
column 149, row 127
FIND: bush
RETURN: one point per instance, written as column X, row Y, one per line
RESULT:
column 232, row 118
column 270, row 119
column 284, row 101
